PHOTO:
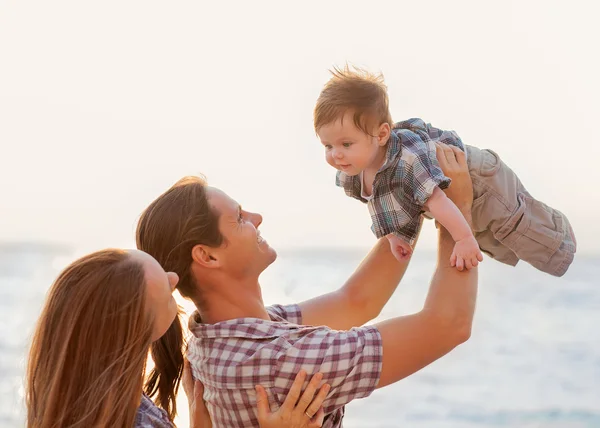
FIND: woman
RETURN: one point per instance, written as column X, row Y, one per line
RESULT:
column 87, row 362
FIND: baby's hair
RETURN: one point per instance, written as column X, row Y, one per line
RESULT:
column 353, row 89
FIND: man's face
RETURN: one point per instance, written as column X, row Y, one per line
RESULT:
column 244, row 251
column 347, row 148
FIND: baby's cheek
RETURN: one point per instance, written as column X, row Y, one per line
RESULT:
column 329, row 159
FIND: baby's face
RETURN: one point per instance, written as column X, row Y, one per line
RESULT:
column 347, row 148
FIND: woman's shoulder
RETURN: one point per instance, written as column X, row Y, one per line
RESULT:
column 149, row 415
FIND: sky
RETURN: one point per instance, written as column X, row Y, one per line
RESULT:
column 104, row 105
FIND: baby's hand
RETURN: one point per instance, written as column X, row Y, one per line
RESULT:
column 400, row 248
column 466, row 254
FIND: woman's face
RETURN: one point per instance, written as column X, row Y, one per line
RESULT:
column 159, row 294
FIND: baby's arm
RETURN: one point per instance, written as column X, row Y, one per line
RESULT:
column 466, row 250
column 400, row 248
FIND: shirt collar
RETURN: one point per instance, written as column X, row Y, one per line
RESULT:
column 239, row 327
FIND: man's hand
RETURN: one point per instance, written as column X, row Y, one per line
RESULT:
column 453, row 162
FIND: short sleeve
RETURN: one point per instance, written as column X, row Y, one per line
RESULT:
column 350, row 362
column 425, row 173
column 290, row 313
column 419, row 151
column 430, row 132
column 442, row 136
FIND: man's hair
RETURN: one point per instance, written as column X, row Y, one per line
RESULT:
column 357, row 90
column 168, row 230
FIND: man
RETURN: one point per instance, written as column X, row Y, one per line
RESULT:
column 215, row 247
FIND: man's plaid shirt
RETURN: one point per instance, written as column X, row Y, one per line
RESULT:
column 233, row 356
column 405, row 181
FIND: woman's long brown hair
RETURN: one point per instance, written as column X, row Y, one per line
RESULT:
column 88, row 354
column 168, row 230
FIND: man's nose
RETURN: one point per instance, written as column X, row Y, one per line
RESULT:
column 256, row 219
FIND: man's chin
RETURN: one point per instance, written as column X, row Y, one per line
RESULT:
column 269, row 256
column 268, row 252
column 273, row 255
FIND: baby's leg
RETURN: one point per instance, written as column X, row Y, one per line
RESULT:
column 533, row 231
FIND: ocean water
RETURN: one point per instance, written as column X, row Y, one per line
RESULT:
column 533, row 359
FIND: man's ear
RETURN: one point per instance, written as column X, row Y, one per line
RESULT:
column 383, row 134
column 205, row 256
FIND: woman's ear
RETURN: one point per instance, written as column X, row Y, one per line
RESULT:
column 205, row 256
column 383, row 134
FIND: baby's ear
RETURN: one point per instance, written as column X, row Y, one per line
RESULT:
column 384, row 133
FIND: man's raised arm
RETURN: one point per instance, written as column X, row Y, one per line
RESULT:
column 411, row 342
column 362, row 296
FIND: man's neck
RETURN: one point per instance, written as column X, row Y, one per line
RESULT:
column 229, row 299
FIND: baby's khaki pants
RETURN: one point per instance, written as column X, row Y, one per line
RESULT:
column 509, row 224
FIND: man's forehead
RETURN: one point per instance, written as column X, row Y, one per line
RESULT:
column 221, row 202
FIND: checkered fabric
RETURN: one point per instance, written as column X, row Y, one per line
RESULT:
column 233, row 356
column 406, row 180
column 149, row 415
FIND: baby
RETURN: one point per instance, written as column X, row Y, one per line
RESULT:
column 394, row 170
